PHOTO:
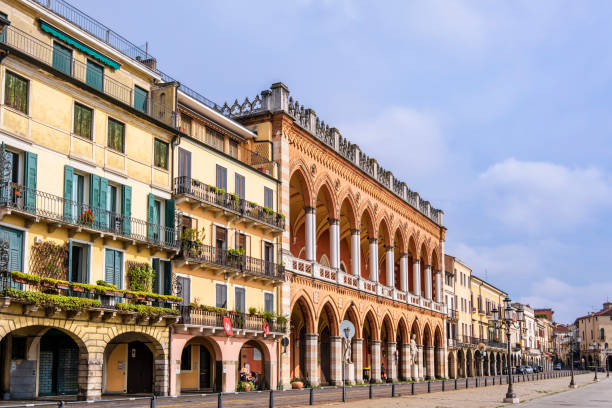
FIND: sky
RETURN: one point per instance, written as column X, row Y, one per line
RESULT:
column 496, row 112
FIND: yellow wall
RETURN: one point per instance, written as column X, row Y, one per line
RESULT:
column 190, row 379
column 116, row 369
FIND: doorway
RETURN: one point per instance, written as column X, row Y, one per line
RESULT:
column 139, row 369
column 204, row 368
column 58, row 365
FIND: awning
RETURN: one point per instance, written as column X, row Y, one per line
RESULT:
column 78, row 45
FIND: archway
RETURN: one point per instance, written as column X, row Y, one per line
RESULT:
column 348, row 227
column 328, row 331
column 413, row 255
column 415, row 333
column 356, row 345
column 452, row 370
column 387, row 351
column 424, row 265
column 428, row 354
column 302, row 326
column 371, row 367
column 438, row 354
column 299, row 200
column 609, row 363
column 479, row 363
column 384, row 244
column 199, row 371
column 58, row 364
column 402, row 344
column 399, row 250
column 366, row 235
column 252, row 363
column 469, row 363
column 461, row 370
column 324, row 216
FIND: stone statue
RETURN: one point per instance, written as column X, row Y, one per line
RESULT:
column 413, row 349
column 347, row 350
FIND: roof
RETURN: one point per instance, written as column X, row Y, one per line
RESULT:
column 487, row 283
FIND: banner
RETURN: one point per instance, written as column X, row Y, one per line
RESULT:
column 266, row 328
column 227, row 325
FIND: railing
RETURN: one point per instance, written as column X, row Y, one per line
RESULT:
column 452, row 313
column 210, row 195
column 497, row 343
column 65, row 63
column 58, row 209
column 222, row 258
column 240, row 321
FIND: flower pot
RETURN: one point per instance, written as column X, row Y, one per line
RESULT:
column 63, row 286
column 23, row 281
column 77, row 289
column 297, row 385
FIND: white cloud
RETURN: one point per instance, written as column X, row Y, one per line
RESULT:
column 542, row 195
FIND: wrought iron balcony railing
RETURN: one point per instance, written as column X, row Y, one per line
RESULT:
column 186, row 186
column 240, row 321
column 36, row 204
column 452, row 313
column 23, row 42
column 225, row 260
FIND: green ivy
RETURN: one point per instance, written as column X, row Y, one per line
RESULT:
column 141, row 278
column 145, row 310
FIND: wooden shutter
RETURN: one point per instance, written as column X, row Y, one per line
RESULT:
column 126, row 209
column 68, row 176
column 30, row 180
column 170, row 221
column 157, row 278
column 168, row 280
column 102, row 220
column 151, row 216
column 118, row 267
column 109, row 268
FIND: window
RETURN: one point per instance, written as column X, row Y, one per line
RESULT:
column 184, row 168
column 186, row 359
column 233, row 149
column 62, row 58
column 268, row 302
column 16, row 92
column 221, row 295
column 113, row 267
column 240, row 186
column 18, row 348
column 602, row 334
column 185, row 124
column 141, row 97
column 78, row 195
column 214, row 139
column 268, row 198
column 78, row 262
column 83, row 120
column 116, row 135
column 184, row 284
column 112, row 206
column 221, row 178
column 256, row 354
column 160, row 155
column 240, row 300
column 94, row 76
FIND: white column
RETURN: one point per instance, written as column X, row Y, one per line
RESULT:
column 334, row 242
column 356, row 251
column 439, row 286
column 374, row 259
column 417, row 277
column 428, row 282
column 404, row 272
column 311, row 228
column 390, row 267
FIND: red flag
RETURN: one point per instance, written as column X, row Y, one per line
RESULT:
column 266, row 328
column 227, row 325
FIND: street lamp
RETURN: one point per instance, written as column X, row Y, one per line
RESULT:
column 573, row 340
column 595, row 351
column 507, row 320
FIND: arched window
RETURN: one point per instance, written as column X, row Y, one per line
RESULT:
column 602, row 334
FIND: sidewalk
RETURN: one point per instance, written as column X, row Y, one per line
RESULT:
column 488, row 397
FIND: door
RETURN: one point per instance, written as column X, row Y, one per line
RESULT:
column 62, row 58
column 58, row 364
column 240, row 300
column 78, row 262
column 95, row 75
column 221, row 245
column 184, row 181
column 141, row 97
column 140, row 369
column 269, row 258
column 204, row 368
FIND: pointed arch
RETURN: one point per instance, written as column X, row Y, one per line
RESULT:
column 303, row 183
column 412, row 247
column 366, row 221
column 415, row 329
column 402, row 330
column 349, row 211
column 329, row 308
column 384, row 232
column 370, row 320
column 352, row 314
column 303, row 302
column 387, row 323
column 325, row 191
column 399, row 240
column 427, row 336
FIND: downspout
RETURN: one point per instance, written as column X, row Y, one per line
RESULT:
column 169, row 358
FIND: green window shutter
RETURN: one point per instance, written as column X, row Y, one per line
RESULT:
column 151, row 217
column 102, row 220
column 109, row 266
column 126, row 209
column 170, row 211
column 62, row 58
column 86, row 255
column 31, row 160
column 94, row 198
column 118, row 266
column 70, row 277
column 168, row 278
column 68, row 204
column 157, row 278
column 140, row 99
column 94, row 75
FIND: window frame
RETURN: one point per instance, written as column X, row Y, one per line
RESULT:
column 157, row 141
column 217, row 285
column 189, row 349
column 240, row 184
column 266, row 294
column 8, row 73
column 74, row 122
column 224, row 172
column 270, row 192
column 108, row 127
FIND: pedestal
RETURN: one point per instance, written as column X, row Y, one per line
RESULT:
column 514, row 400
column 349, row 372
column 414, row 372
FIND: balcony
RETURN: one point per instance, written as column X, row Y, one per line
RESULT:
column 203, row 195
column 497, row 344
column 223, row 261
column 20, row 43
column 242, row 323
column 58, row 212
column 452, row 314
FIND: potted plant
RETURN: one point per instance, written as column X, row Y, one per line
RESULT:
column 253, row 310
column 17, row 189
column 86, row 217
column 297, row 384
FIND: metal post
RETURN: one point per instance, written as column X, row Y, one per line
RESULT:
column 271, row 405
column 153, row 401
column 220, row 400
column 312, row 396
column 370, row 391
column 443, row 386
column 455, row 383
column 393, row 390
column 467, row 384
column 60, row 403
column 412, row 389
column 485, row 381
column 428, row 386
column 476, row 382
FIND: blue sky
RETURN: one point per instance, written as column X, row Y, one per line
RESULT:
column 497, row 112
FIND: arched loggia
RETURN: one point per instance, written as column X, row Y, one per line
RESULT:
column 303, row 340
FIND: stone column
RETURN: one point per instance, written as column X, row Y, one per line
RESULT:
column 390, row 267
column 335, row 345
column 356, row 252
column 481, row 366
column 311, row 233
column 375, row 368
column 404, row 272
column 428, row 282
column 439, row 286
column 420, row 367
column 391, row 361
column 90, row 376
column 357, row 356
column 430, row 368
column 405, row 368
column 416, row 277
column 334, row 243
column 373, row 259
column 310, row 359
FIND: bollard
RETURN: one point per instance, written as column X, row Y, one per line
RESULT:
column 412, row 389
column 220, row 400
column 393, row 390
column 443, row 386
column 476, row 382
column 467, row 384
column 312, row 396
column 428, row 386
column 271, row 404
column 493, row 380
column 343, row 393
column 370, row 395
column 153, row 401
column 60, row 403
column 485, row 381
column 455, row 383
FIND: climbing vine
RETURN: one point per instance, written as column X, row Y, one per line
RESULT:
column 49, row 260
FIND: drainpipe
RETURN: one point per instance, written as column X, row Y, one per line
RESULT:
column 169, row 358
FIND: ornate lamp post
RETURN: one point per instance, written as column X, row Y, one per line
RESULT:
column 507, row 320
column 573, row 340
column 595, row 349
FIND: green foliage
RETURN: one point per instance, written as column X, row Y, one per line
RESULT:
column 252, row 310
column 280, row 319
column 268, row 316
column 219, row 310
column 267, row 210
column 145, row 310
column 193, row 235
column 104, row 283
column 236, row 252
column 27, row 277
column 67, row 303
column 141, row 278
column 244, row 386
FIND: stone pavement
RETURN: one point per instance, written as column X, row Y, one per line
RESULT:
column 593, row 396
column 488, row 397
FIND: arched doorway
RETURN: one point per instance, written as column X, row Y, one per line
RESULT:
column 479, row 363
column 417, row 366
column 328, row 328
column 199, row 372
column 452, row 370
column 356, row 343
column 139, row 368
column 252, row 363
column 461, row 364
column 402, row 343
column 369, row 337
column 58, row 364
column 387, row 353
column 438, row 353
column 428, row 358
column 302, row 328
column 469, row 363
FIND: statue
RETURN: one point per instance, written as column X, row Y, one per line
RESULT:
column 347, row 350
column 413, row 349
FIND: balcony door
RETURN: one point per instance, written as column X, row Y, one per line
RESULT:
column 112, row 206
column 221, row 244
column 268, row 256
column 78, row 262
column 184, row 170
